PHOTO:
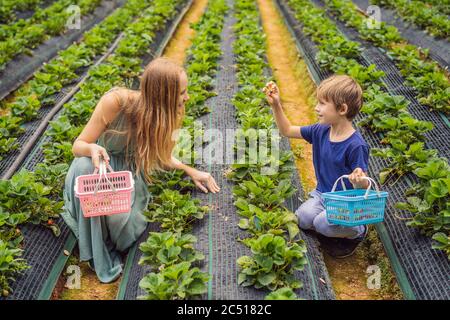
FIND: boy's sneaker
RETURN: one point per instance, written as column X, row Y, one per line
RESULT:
column 341, row 247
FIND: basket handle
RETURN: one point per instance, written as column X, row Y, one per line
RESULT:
column 103, row 171
column 371, row 181
column 107, row 166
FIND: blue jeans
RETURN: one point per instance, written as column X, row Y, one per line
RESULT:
column 312, row 216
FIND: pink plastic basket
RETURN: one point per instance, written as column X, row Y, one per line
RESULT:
column 103, row 193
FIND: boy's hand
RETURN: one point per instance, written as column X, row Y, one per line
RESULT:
column 272, row 94
column 357, row 179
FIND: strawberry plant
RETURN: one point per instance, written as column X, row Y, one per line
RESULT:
column 403, row 158
column 25, row 108
column 8, row 8
column 442, row 5
column 8, row 227
column 264, row 192
column 167, row 248
column 282, row 294
column 273, row 263
column 259, row 222
column 58, row 152
column 284, row 164
column 346, row 12
column 420, row 14
column 172, row 179
column 52, row 176
column 176, row 212
column 403, row 129
column 27, row 199
column 176, row 282
column 379, row 106
column 442, row 242
column 337, row 47
column 429, row 199
column 61, row 130
column 10, row 265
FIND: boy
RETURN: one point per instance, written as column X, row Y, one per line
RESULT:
column 338, row 149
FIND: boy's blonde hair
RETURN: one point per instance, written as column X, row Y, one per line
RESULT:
column 340, row 89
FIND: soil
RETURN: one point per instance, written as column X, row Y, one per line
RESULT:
column 176, row 50
column 90, row 289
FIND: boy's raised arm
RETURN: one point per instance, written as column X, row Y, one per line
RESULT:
column 283, row 123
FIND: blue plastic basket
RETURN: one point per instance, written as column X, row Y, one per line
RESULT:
column 355, row 207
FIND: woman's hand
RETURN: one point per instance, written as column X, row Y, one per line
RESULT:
column 272, row 94
column 201, row 178
column 98, row 152
column 357, row 179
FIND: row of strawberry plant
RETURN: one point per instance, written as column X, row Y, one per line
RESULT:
column 61, row 71
column 387, row 115
column 8, row 8
column 424, row 75
column 24, row 35
column 171, row 253
column 442, row 5
column 277, row 251
column 27, row 197
column 420, row 14
column 37, row 196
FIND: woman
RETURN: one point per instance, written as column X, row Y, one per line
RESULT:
column 131, row 130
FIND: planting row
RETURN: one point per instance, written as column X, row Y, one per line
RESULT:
column 24, row 35
column 277, row 252
column 61, row 71
column 442, row 5
column 8, row 8
column 387, row 115
column 430, row 81
column 424, row 16
column 171, row 254
column 36, row 197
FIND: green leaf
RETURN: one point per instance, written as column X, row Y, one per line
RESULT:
column 266, row 278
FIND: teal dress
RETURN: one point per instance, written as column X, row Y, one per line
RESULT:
column 101, row 240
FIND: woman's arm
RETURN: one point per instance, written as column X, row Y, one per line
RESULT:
column 106, row 110
column 177, row 164
column 199, row 178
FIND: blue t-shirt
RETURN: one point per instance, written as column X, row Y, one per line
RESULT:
column 334, row 159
